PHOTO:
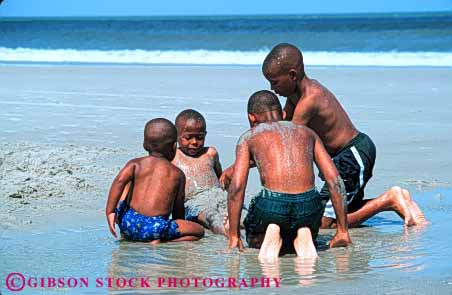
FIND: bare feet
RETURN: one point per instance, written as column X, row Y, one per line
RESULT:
column 212, row 220
column 303, row 244
column 415, row 211
column 400, row 205
column 155, row 242
column 226, row 225
column 271, row 245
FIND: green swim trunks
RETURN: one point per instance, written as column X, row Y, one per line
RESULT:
column 289, row 211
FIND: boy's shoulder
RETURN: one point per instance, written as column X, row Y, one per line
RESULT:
column 148, row 162
column 174, row 170
column 211, row 151
column 208, row 151
column 137, row 161
column 178, row 172
column 245, row 136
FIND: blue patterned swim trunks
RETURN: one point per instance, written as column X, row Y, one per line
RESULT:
column 137, row 227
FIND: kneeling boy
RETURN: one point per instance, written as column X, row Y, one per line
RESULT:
column 289, row 205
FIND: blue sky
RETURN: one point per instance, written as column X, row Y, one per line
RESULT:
column 211, row 7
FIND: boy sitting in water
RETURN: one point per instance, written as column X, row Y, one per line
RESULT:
column 205, row 201
column 289, row 208
column 156, row 191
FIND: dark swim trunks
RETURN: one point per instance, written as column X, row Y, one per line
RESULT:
column 289, row 211
column 354, row 163
column 137, row 227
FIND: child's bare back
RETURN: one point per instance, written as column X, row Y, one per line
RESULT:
column 151, row 195
column 283, row 153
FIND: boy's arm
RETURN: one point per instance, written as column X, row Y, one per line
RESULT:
column 117, row 187
column 179, row 208
column 226, row 176
column 236, row 194
column 337, row 191
column 305, row 110
column 289, row 109
column 217, row 164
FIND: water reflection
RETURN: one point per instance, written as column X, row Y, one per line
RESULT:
column 305, row 268
column 342, row 261
column 166, row 267
column 398, row 250
column 270, row 269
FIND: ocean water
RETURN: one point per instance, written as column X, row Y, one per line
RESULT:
column 378, row 39
column 385, row 258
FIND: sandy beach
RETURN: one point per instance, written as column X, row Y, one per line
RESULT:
column 67, row 130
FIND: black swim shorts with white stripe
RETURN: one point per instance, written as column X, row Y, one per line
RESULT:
column 354, row 163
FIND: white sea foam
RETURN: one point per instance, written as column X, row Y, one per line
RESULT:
column 210, row 57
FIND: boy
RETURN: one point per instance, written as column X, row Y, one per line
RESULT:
column 205, row 201
column 288, row 207
column 353, row 152
column 156, row 191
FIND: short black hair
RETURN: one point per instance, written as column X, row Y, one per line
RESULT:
column 159, row 133
column 189, row 114
column 286, row 56
column 263, row 101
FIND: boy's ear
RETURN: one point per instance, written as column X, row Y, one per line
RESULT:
column 284, row 114
column 252, row 118
column 293, row 74
column 145, row 146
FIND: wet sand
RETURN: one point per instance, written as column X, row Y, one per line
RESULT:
column 67, row 130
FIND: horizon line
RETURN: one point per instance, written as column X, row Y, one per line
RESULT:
column 392, row 13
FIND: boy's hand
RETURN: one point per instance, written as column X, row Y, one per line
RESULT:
column 340, row 239
column 235, row 242
column 226, row 177
column 111, row 218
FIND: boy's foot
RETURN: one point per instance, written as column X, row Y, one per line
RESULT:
column 226, row 225
column 303, row 244
column 271, row 245
column 418, row 215
column 399, row 203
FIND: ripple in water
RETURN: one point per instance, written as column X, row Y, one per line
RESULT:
column 386, row 256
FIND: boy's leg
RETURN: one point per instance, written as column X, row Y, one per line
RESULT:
column 391, row 200
column 189, row 231
column 303, row 243
column 213, row 220
column 395, row 199
column 272, row 243
column 355, row 164
column 226, row 221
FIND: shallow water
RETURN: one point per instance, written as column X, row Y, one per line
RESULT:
column 415, row 259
